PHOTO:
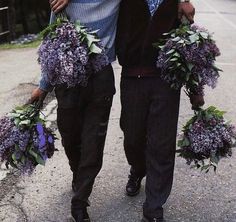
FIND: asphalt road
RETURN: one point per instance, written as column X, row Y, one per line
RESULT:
column 45, row 196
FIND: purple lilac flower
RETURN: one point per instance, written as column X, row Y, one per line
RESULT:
column 8, row 141
column 26, row 143
column 50, row 139
column 5, row 126
column 42, row 142
column 39, row 127
column 98, row 61
column 23, row 140
column 209, row 136
column 64, row 58
column 200, row 55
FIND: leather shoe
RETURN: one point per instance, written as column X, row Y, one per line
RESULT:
column 153, row 219
column 133, row 185
column 80, row 215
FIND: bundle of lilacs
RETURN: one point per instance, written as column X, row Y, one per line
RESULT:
column 69, row 53
column 25, row 141
column 187, row 58
column 207, row 138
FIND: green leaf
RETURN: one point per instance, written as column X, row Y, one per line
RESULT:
column 194, row 38
column 195, row 82
column 204, row 35
column 174, row 59
column 25, row 122
column 34, row 154
column 91, row 39
column 170, row 52
column 181, row 41
column 187, row 76
column 176, row 54
column 176, row 39
column 205, row 167
column 95, row 49
column 14, row 115
column 190, row 32
column 190, row 66
column 214, row 159
column 13, row 156
column 184, row 142
column 40, row 160
column 20, row 111
column 17, row 121
column 167, row 33
column 23, row 159
column 180, row 144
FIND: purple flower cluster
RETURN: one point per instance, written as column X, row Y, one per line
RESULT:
column 188, row 60
column 207, row 136
column 25, row 147
column 65, row 57
column 210, row 136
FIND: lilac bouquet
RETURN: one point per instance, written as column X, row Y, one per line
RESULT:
column 207, row 137
column 187, row 58
column 69, row 53
column 25, row 141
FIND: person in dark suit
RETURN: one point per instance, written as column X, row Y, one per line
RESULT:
column 150, row 108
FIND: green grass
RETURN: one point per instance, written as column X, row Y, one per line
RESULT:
column 20, row 46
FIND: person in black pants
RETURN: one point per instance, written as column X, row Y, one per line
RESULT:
column 150, row 107
column 83, row 111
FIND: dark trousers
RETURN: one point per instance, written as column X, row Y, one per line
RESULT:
column 83, row 114
column 149, row 119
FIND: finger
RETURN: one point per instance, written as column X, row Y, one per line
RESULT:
column 53, row 3
column 31, row 100
column 189, row 17
column 39, row 103
column 180, row 14
column 55, row 6
column 193, row 12
column 59, row 8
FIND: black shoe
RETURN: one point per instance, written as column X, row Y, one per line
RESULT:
column 153, row 219
column 74, row 182
column 80, row 215
column 133, row 185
